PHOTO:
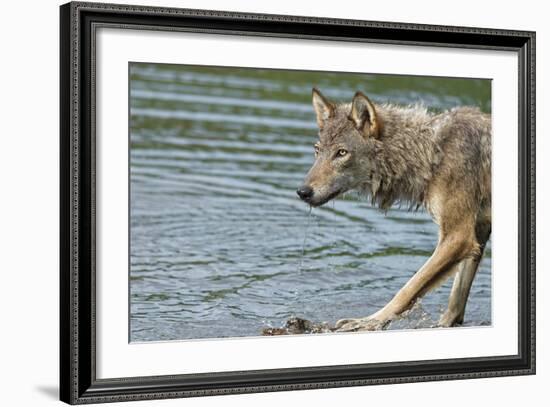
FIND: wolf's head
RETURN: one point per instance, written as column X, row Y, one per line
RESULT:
column 346, row 135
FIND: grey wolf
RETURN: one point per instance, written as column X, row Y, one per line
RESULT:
column 396, row 154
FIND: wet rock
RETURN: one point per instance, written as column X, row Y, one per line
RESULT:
column 274, row 331
column 297, row 326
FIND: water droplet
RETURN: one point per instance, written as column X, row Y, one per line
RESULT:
column 305, row 238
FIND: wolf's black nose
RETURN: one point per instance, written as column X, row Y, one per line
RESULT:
column 305, row 192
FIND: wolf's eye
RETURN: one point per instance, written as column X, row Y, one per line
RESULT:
column 316, row 150
column 342, row 152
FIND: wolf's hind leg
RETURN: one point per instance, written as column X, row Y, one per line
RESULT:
column 459, row 293
column 463, row 281
column 452, row 248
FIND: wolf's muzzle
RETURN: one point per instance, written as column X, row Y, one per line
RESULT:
column 305, row 193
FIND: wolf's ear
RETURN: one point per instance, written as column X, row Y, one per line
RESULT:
column 363, row 115
column 323, row 108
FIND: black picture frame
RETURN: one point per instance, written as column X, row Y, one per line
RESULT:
column 78, row 382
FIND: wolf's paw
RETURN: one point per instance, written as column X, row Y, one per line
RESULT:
column 449, row 319
column 360, row 324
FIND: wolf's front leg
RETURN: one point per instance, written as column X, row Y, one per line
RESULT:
column 451, row 249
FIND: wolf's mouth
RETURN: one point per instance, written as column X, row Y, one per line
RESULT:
column 325, row 199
